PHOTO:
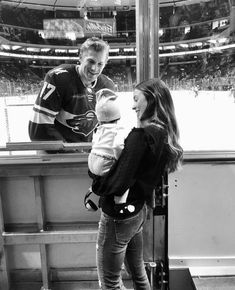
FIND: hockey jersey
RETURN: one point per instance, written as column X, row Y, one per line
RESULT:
column 65, row 108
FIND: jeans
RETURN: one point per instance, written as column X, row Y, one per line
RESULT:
column 119, row 241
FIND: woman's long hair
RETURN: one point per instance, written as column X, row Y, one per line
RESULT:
column 160, row 110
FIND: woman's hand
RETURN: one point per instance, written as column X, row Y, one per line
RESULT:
column 121, row 199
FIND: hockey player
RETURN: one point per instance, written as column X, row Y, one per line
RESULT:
column 65, row 106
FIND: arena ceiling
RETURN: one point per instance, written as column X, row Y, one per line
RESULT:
column 79, row 4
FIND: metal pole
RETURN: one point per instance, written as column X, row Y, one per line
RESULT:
column 154, row 38
column 142, row 40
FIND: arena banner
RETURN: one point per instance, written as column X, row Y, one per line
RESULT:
column 95, row 3
column 77, row 28
column 102, row 27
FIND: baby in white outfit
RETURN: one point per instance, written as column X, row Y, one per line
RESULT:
column 108, row 139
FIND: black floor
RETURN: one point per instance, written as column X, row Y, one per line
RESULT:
column 180, row 279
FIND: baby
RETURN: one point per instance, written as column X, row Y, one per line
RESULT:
column 108, row 139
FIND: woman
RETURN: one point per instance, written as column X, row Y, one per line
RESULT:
column 149, row 150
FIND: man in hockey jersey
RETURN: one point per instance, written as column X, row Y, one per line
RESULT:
column 65, row 106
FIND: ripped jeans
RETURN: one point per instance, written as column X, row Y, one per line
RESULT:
column 119, row 241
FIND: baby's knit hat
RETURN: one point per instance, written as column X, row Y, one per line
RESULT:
column 107, row 107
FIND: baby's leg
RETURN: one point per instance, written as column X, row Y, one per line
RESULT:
column 99, row 164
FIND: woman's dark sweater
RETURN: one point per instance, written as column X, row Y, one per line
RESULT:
column 139, row 169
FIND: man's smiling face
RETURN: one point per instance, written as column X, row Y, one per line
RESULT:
column 92, row 64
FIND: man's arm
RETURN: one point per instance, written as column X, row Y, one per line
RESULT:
column 47, row 106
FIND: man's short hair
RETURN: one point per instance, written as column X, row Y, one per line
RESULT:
column 95, row 43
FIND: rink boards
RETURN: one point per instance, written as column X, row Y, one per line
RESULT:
column 47, row 234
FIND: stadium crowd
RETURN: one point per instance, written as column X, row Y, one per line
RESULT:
column 206, row 71
column 212, row 72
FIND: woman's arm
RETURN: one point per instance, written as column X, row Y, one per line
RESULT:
column 123, row 173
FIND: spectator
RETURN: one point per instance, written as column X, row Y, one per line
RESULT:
column 150, row 150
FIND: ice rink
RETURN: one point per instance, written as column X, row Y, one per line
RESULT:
column 206, row 121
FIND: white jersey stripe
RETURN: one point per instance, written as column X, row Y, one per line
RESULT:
column 44, row 110
column 40, row 118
